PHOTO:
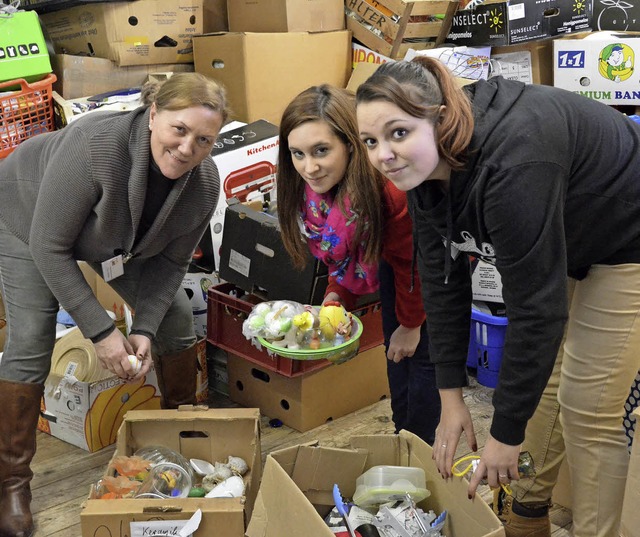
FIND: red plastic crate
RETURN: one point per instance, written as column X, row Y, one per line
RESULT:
column 226, row 313
column 25, row 112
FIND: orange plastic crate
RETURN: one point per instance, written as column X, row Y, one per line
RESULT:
column 24, row 112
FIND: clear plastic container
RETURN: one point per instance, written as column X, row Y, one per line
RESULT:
column 381, row 484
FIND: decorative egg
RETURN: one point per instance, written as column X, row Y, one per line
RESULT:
column 135, row 363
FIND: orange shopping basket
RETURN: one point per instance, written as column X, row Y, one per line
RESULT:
column 24, row 112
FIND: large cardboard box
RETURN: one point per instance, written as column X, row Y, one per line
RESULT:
column 306, row 401
column 84, row 76
column 297, row 484
column 600, row 66
column 285, row 15
column 23, row 50
column 143, row 32
column 263, row 72
column 253, row 257
column 508, row 23
column 209, row 434
column 630, row 525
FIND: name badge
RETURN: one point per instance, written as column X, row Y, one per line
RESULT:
column 112, row 268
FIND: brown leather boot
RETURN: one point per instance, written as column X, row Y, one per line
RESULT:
column 516, row 525
column 20, row 404
column 177, row 377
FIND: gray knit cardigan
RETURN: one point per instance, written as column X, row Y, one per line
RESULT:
column 78, row 194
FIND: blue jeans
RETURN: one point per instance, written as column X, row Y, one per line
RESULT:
column 415, row 401
column 31, row 310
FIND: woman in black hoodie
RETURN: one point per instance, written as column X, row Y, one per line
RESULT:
column 545, row 185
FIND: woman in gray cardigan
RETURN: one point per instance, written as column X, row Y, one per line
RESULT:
column 131, row 193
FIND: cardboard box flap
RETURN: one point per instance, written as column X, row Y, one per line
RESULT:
column 318, row 469
column 274, row 514
column 382, row 450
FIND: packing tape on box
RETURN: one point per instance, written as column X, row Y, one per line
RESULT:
column 75, row 355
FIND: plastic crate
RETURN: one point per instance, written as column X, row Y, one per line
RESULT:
column 486, row 343
column 25, row 112
column 226, row 313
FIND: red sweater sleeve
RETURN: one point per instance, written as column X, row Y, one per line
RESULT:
column 397, row 250
column 347, row 297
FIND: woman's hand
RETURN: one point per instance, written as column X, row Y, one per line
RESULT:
column 113, row 353
column 142, row 348
column 455, row 419
column 403, row 343
column 498, row 464
column 332, row 297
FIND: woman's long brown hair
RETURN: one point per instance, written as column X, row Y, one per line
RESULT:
column 362, row 184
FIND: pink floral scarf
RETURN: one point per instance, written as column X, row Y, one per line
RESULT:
column 330, row 235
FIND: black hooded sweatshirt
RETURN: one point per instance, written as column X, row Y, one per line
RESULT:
column 551, row 187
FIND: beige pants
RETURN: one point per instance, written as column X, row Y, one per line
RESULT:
column 581, row 410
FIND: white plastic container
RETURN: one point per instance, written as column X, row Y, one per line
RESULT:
column 381, row 484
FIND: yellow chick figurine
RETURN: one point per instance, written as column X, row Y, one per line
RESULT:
column 334, row 320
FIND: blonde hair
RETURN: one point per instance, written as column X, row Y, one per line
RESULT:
column 421, row 88
column 184, row 90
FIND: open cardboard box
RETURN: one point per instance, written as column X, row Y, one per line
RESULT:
column 196, row 432
column 297, row 484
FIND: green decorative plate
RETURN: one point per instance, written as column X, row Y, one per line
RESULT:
column 337, row 355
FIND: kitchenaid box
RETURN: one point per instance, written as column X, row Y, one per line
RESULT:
column 246, row 156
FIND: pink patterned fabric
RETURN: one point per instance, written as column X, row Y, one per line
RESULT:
column 330, row 235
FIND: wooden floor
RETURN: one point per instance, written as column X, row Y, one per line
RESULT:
column 63, row 473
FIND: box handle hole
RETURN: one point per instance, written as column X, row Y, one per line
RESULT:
column 260, row 375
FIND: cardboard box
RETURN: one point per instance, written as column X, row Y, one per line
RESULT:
column 84, row 76
column 600, row 66
column 362, row 54
column 143, row 32
column 253, row 257
column 297, row 484
column 530, row 62
column 23, row 50
column 306, row 401
column 285, row 15
column 616, row 15
column 209, row 434
column 67, row 110
column 630, row 523
column 509, row 23
column 263, row 72
column 215, row 15
column 88, row 414
column 246, row 157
